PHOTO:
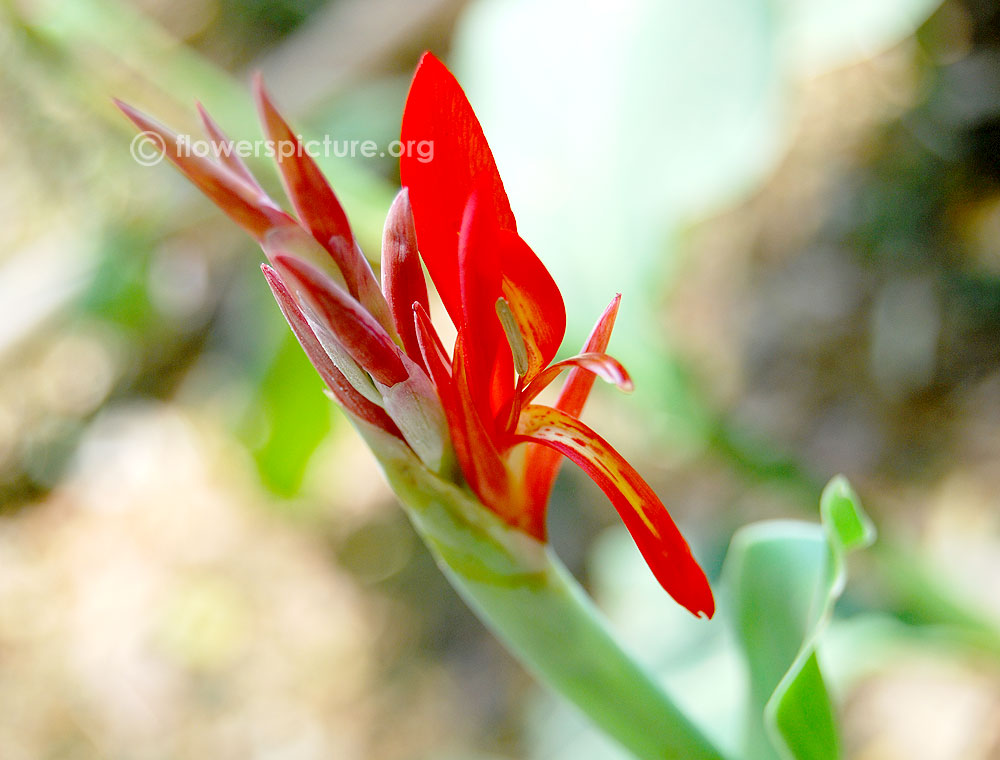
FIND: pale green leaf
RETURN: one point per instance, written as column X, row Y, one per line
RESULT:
column 784, row 578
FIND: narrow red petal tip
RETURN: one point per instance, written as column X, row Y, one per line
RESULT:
column 402, row 277
column 594, row 363
column 224, row 148
column 244, row 203
column 307, row 188
column 318, row 207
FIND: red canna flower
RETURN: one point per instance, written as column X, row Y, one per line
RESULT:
column 381, row 357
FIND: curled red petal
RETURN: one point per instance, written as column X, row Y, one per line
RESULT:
column 432, row 349
column 361, row 336
column 242, row 202
column 599, row 365
column 653, row 530
column 541, row 463
column 438, row 113
column 345, row 393
column 578, row 385
column 402, row 277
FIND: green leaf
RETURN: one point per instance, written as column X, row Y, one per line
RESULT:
column 297, row 417
column 784, row 578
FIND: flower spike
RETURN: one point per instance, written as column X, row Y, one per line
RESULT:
column 379, row 353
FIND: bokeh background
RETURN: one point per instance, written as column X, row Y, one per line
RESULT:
column 799, row 199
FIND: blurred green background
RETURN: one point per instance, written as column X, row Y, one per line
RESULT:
column 800, row 201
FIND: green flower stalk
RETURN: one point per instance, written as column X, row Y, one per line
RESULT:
column 458, row 434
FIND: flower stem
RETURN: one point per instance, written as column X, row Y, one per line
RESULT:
column 521, row 591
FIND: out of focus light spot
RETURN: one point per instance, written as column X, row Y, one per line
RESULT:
column 205, row 625
column 183, row 18
column 982, row 235
column 906, row 321
column 77, row 372
column 179, row 282
column 925, row 710
column 377, row 550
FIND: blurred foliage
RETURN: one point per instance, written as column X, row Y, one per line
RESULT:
column 783, row 579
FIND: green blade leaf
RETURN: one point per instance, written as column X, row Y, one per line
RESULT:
column 784, row 578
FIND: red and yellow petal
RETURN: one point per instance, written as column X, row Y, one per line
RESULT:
column 647, row 520
column 542, row 463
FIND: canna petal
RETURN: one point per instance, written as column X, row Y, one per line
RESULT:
column 402, row 277
column 438, row 112
column 541, row 463
column 349, row 398
column 363, row 338
column 244, row 203
column 599, row 365
column 578, row 385
column 477, row 455
column 490, row 366
column 653, row 530
column 319, row 209
column 311, row 195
